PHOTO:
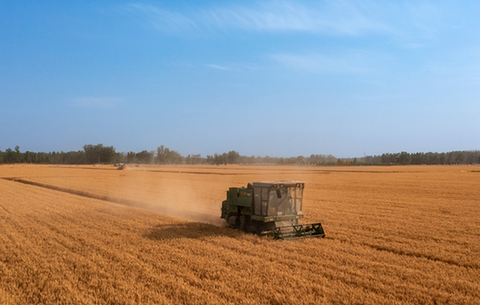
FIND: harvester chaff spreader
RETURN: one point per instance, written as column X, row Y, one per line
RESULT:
column 269, row 208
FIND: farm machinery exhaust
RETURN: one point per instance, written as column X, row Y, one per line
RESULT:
column 269, row 208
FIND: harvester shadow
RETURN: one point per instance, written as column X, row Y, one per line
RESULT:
column 190, row 230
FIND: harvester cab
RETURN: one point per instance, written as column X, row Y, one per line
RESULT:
column 269, row 208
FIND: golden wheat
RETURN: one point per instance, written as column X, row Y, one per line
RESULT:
column 395, row 235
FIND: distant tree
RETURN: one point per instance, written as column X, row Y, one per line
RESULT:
column 372, row 159
column 450, row 158
column 193, row 159
column 300, row 160
column 131, row 157
column 218, row 159
column 196, row 159
column 167, row 156
column 460, row 158
column 99, row 153
column 162, row 154
column 233, row 157
column 29, row 157
column 12, row 156
column 388, row 158
column 174, row 157
column 403, row 158
column 73, row 157
column 432, row 158
column 210, row 159
column 145, row 157
column 442, row 158
column 19, row 157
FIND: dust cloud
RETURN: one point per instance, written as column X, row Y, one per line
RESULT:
column 172, row 194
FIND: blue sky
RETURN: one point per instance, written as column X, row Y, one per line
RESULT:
column 278, row 78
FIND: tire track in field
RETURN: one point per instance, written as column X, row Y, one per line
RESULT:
column 7, row 211
column 170, row 211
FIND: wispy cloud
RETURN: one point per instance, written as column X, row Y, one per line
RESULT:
column 352, row 62
column 336, row 17
column 96, row 102
column 160, row 19
column 218, row 67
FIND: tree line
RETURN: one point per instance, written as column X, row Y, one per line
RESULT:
column 92, row 154
column 431, row 158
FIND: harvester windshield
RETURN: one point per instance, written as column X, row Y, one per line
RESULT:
column 277, row 199
column 284, row 201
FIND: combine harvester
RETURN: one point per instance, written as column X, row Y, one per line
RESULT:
column 269, row 208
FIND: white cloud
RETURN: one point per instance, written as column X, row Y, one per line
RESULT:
column 96, row 102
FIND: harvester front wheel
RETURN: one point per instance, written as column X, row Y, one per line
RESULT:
column 234, row 220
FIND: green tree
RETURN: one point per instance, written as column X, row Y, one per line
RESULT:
column 210, row 159
column 450, row 158
column 145, row 157
column 162, row 153
column 233, row 157
column 19, row 157
column 442, row 158
column 9, row 156
column 218, row 159
column 403, row 158
column 193, row 159
column 167, row 156
column 99, row 153
column 131, row 157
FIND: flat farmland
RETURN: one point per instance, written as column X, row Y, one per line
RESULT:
column 152, row 235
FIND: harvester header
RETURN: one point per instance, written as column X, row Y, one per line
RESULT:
column 269, row 207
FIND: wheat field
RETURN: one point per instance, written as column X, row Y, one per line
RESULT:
column 153, row 235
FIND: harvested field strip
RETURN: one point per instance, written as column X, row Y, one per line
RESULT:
column 167, row 211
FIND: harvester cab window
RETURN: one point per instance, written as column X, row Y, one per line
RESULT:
column 281, row 201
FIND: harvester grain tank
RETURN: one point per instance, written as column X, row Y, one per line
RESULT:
column 269, row 208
